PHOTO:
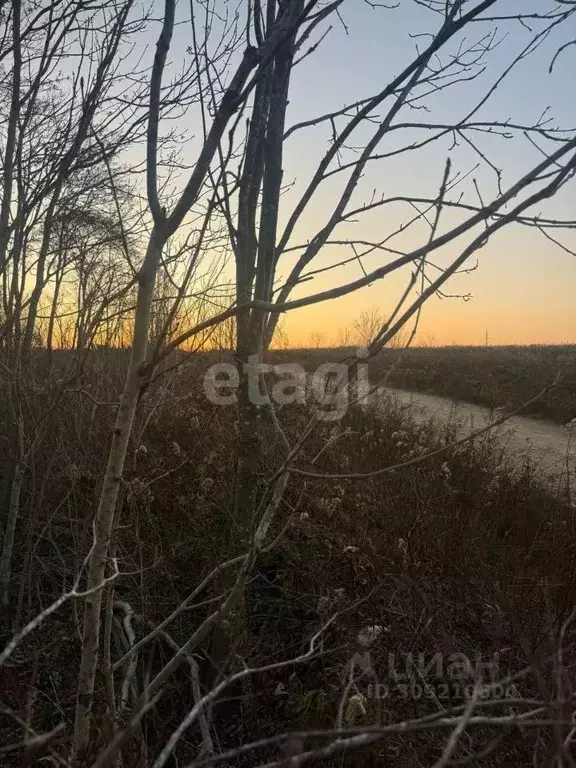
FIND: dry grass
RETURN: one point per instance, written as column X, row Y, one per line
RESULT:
column 458, row 557
column 492, row 376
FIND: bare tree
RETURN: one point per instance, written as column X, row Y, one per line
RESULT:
column 317, row 340
column 250, row 201
column 366, row 326
column 344, row 337
column 49, row 161
column 233, row 196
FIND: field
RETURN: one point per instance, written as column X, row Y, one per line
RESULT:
column 495, row 377
column 454, row 558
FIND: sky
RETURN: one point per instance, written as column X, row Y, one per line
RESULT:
column 523, row 289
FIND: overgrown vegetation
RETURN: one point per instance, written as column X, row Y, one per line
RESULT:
column 458, row 555
column 170, row 183
column 498, row 377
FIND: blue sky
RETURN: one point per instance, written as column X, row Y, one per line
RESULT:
column 524, row 288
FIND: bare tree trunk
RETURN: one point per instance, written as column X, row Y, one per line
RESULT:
column 53, row 312
column 12, row 520
column 13, row 471
column 107, row 505
column 10, row 532
column 8, row 160
column 137, row 371
column 269, row 123
column 247, row 455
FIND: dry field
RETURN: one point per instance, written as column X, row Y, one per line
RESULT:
column 491, row 376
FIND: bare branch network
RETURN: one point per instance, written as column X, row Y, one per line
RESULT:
column 177, row 178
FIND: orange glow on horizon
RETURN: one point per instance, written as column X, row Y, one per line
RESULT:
column 445, row 323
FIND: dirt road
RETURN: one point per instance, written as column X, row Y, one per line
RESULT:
column 547, row 443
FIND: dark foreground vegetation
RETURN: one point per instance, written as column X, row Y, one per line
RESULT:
column 492, row 376
column 458, row 555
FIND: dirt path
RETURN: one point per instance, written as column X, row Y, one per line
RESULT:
column 546, row 443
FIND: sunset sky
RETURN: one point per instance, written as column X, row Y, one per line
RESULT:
column 524, row 289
